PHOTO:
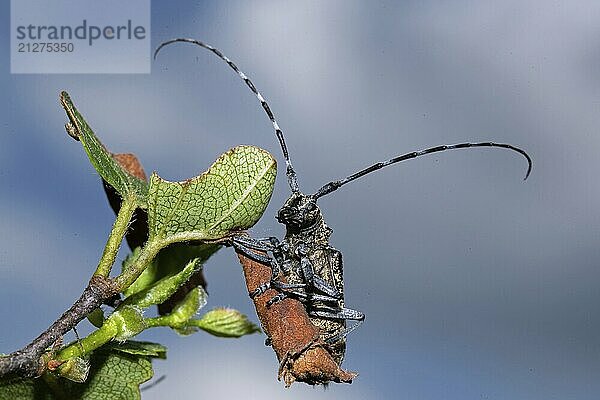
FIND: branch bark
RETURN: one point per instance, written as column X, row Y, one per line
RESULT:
column 27, row 362
column 303, row 356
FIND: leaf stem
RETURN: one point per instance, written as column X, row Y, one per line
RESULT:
column 163, row 320
column 147, row 254
column 102, row 335
column 119, row 229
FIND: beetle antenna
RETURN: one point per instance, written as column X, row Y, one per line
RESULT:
column 290, row 172
column 334, row 185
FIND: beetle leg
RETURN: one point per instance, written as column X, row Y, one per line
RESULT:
column 324, row 299
column 288, row 287
column 297, row 291
column 260, row 290
column 320, row 284
column 276, row 299
column 339, row 313
column 252, row 248
column 343, row 334
column 251, row 252
column 316, row 281
column 286, row 290
column 263, row 244
column 302, row 296
column 343, row 313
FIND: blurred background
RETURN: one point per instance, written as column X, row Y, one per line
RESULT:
column 476, row 285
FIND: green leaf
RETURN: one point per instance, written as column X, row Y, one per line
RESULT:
column 173, row 258
column 149, row 349
column 116, row 373
column 102, row 160
column 231, row 195
column 170, row 261
column 96, row 317
column 25, row 390
column 164, row 288
column 225, row 322
column 182, row 313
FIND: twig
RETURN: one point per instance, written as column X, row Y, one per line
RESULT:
column 101, row 289
column 27, row 362
column 303, row 356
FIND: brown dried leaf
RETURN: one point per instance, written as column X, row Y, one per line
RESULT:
column 302, row 354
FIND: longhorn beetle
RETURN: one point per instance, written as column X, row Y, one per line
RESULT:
column 313, row 269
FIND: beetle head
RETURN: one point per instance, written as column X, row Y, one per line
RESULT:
column 299, row 212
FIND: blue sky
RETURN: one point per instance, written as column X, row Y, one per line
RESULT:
column 476, row 285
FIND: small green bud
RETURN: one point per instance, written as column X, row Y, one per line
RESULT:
column 225, row 322
column 128, row 321
column 185, row 310
column 75, row 369
column 188, row 307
